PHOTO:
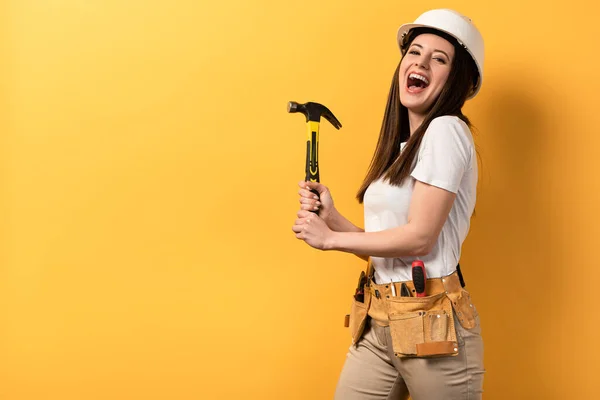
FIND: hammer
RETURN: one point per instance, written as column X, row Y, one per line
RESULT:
column 313, row 113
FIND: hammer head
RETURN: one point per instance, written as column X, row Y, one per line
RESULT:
column 313, row 112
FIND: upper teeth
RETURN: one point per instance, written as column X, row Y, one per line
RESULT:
column 416, row 76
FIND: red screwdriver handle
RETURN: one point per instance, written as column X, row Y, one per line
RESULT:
column 419, row 277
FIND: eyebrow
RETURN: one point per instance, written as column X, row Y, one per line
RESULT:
column 441, row 51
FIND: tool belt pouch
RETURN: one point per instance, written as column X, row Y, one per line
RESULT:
column 422, row 326
column 358, row 317
column 463, row 307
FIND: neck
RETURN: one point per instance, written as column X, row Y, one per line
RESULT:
column 414, row 120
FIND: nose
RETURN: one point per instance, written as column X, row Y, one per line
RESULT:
column 422, row 62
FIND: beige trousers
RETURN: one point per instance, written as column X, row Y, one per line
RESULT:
column 372, row 371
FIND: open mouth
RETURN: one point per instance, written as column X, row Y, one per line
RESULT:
column 416, row 82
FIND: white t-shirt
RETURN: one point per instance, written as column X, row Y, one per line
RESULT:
column 446, row 159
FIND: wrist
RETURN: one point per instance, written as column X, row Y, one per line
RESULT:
column 329, row 216
column 332, row 241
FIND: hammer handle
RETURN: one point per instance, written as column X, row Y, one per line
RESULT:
column 311, row 177
column 312, row 151
column 312, row 155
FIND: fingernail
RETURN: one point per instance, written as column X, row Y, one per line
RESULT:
column 316, row 197
column 316, row 208
column 318, row 203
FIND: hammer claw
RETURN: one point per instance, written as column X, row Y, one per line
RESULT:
column 332, row 119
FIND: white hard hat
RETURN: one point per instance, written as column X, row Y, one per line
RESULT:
column 457, row 26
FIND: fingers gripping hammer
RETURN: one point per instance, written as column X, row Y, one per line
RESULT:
column 313, row 113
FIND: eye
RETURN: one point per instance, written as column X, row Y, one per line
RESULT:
column 440, row 60
column 414, row 52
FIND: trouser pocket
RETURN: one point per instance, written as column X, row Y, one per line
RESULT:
column 423, row 327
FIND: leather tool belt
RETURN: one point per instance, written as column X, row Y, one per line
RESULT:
column 419, row 326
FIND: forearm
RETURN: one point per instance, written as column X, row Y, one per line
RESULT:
column 403, row 241
column 337, row 222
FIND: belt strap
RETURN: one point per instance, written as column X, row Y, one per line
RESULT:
column 460, row 275
column 371, row 272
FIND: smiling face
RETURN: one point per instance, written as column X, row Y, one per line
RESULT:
column 424, row 71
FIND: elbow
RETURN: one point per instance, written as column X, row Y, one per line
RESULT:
column 415, row 242
column 423, row 246
column 422, row 250
column 423, row 239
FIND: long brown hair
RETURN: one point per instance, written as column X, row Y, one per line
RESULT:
column 387, row 160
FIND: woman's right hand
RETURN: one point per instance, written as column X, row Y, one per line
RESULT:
column 324, row 204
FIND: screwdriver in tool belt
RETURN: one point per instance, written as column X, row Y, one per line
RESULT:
column 419, row 277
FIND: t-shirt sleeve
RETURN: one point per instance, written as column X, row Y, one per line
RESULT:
column 445, row 154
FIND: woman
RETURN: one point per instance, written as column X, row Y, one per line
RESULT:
column 419, row 195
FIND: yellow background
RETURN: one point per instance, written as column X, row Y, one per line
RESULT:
column 148, row 190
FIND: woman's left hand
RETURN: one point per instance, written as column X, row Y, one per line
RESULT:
column 312, row 229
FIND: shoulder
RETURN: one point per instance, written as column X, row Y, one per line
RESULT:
column 449, row 128
column 449, row 123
